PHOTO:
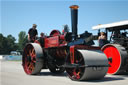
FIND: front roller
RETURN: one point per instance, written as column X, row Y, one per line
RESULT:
column 87, row 65
column 117, row 56
column 32, row 60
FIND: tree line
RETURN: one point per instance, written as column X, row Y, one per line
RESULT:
column 8, row 44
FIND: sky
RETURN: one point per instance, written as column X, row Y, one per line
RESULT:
column 19, row 15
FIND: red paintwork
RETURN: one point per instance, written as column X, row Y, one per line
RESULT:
column 113, row 52
column 52, row 42
column 62, row 37
column 56, row 39
column 72, row 50
column 86, row 47
column 29, row 66
column 72, row 54
column 55, row 33
column 75, row 73
column 36, row 41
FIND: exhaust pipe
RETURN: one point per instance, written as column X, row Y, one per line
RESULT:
column 74, row 16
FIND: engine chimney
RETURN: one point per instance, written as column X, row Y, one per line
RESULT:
column 74, row 15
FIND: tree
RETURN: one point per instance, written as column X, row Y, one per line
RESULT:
column 22, row 40
column 11, row 43
column 2, row 40
column 7, row 44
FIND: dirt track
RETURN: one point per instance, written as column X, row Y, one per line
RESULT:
column 12, row 74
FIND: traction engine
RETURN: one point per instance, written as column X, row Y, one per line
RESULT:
column 66, row 52
column 117, row 48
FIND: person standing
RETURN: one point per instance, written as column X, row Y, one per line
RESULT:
column 102, row 39
column 32, row 33
column 42, row 36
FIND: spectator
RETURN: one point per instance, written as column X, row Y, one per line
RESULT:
column 42, row 36
column 102, row 39
column 32, row 33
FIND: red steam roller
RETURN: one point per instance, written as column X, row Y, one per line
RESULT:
column 72, row 53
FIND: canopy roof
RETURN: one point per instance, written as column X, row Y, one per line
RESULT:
column 113, row 26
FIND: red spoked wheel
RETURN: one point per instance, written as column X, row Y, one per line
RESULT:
column 32, row 58
column 74, row 72
column 116, row 55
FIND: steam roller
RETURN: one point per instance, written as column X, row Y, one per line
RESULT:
column 66, row 51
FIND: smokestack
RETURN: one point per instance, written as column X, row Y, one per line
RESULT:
column 74, row 15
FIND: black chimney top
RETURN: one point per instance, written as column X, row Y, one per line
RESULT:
column 74, row 16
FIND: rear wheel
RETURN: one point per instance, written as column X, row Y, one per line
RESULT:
column 116, row 55
column 32, row 60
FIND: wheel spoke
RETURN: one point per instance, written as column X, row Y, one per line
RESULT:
column 34, row 60
column 76, row 72
column 30, row 59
